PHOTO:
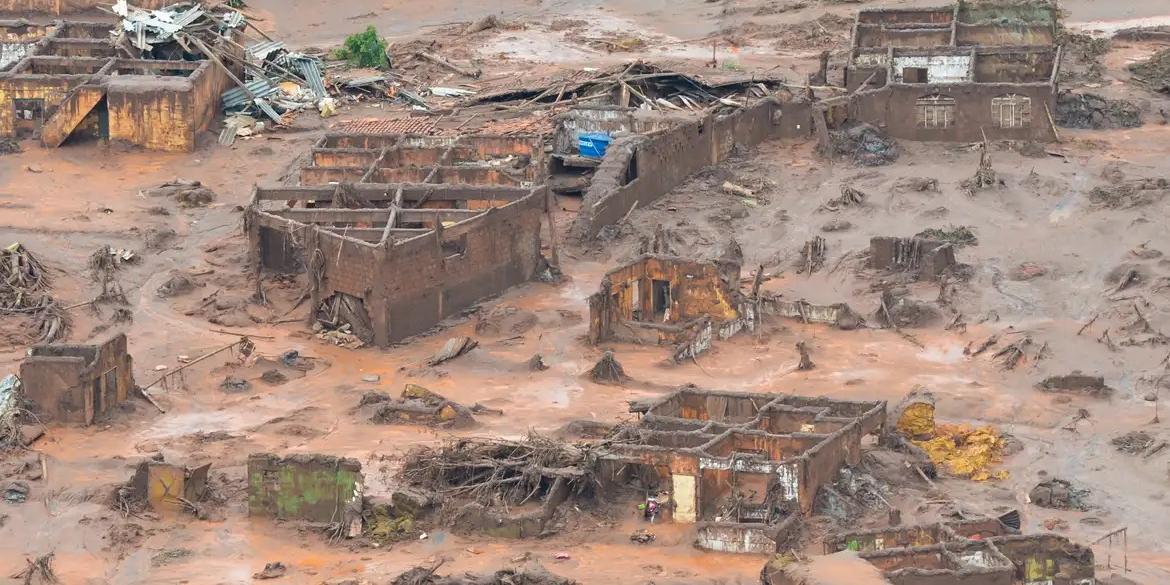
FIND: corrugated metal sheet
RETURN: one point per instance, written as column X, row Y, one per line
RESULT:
column 234, row 19
column 261, row 50
column 236, row 97
column 310, row 69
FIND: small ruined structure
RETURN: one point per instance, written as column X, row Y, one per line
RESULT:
column 405, row 230
column 313, row 488
column 745, row 467
column 78, row 383
column 667, row 300
column 69, row 79
column 927, row 259
column 953, row 73
column 167, row 487
column 980, row 551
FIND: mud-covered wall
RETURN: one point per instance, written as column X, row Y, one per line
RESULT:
column 315, row 488
column 500, row 249
column 52, row 90
column 697, row 289
column 156, row 113
column 409, row 286
column 640, row 169
column 894, row 108
column 62, row 379
column 876, row 36
column 996, row 35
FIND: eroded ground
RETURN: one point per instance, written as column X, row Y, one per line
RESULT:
column 1048, row 260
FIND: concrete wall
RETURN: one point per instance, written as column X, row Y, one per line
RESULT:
column 315, row 488
column 164, row 112
column 640, row 169
column 62, row 380
column 894, row 108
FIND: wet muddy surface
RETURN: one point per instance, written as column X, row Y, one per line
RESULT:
column 65, row 203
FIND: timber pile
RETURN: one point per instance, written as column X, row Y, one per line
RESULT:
column 496, row 471
column 24, row 291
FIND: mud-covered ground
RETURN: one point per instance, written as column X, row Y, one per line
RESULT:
column 1049, row 258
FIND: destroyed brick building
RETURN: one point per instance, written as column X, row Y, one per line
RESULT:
column 69, row 79
column 78, row 383
column 744, row 467
column 953, row 73
column 313, row 488
column 980, row 551
column 686, row 304
column 413, row 229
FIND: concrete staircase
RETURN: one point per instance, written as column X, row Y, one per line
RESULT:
column 77, row 105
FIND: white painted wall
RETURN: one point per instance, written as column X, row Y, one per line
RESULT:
column 11, row 53
column 939, row 68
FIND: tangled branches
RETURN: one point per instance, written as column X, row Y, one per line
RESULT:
column 499, row 471
column 24, row 290
column 38, row 571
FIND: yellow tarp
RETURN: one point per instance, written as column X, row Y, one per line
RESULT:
column 917, row 420
column 965, row 451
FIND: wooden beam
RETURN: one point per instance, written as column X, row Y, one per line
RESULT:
column 335, row 215
column 417, row 215
column 388, row 191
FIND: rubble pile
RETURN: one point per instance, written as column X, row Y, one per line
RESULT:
column 1154, row 72
column 530, row 573
column 865, row 145
column 1088, row 110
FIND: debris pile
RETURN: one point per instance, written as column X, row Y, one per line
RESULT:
column 1081, row 57
column 342, row 320
column 530, row 573
column 647, row 86
column 865, row 145
column 957, row 235
column 417, row 405
column 186, row 192
column 1154, row 72
column 1087, row 110
column 1131, row 193
column 24, row 292
column 1133, row 442
column 824, row 31
column 903, row 311
column 1077, row 383
column 850, row 197
column 1059, row 494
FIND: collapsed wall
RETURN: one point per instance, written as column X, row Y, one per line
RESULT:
column 639, row 169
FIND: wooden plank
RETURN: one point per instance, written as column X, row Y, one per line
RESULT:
column 335, row 215
column 387, row 191
column 417, row 215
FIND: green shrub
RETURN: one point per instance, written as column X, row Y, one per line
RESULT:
column 364, row 49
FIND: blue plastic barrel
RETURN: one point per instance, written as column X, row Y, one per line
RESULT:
column 593, row 144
